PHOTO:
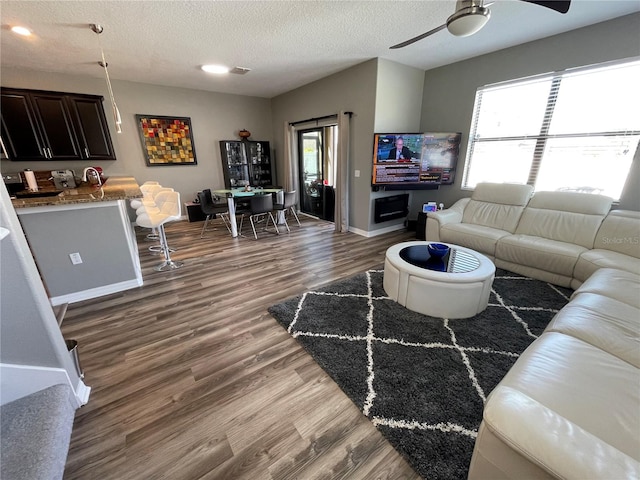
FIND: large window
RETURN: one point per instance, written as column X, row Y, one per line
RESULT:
column 575, row 130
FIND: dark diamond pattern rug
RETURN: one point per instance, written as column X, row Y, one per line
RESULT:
column 421, row 380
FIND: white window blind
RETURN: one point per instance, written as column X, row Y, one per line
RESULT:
column 575, row 130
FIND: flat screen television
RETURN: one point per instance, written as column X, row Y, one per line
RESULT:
column 415, row 160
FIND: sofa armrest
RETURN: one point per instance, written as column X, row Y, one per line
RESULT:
column 551, row 441
column 436, row 220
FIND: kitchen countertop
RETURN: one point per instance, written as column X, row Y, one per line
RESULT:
column 115, row 188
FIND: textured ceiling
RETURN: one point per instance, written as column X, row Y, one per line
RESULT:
column 286, row 44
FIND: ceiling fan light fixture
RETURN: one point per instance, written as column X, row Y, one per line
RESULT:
column 468, row 21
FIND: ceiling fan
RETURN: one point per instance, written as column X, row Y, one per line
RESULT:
column 471, row 15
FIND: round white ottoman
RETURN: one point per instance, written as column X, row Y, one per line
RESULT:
column 456, row 287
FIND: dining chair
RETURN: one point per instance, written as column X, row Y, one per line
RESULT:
column 260, row 210
column 289, row 205
column 212, row 209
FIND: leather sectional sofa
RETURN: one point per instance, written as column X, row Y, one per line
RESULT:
column 557, row 237
column 570, row 406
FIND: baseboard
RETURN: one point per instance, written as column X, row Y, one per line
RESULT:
column 17, row 381
column 96, row 292
column 380, row 231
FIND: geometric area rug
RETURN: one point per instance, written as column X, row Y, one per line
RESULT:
column 422, row 381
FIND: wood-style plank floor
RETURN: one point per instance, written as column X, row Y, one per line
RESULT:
column 192, row 378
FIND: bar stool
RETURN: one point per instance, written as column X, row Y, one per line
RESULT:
column 148, row 189
column 167, row 210
column 149, row 204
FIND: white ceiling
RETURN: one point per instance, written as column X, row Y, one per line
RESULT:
column 286, row 44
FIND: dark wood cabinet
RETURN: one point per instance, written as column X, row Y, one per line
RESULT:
column 93, row 131
column 246, row 163
column 40, row 125
column 20, row 132
column 56, row 126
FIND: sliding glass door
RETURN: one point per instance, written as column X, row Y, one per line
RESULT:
column 316, row 154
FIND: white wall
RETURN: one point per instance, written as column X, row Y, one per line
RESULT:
column 449, row 91
column 214, row 117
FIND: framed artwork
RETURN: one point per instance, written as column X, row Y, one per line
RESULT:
column 166, row 140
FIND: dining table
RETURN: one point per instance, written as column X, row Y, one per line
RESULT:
column 233, row 194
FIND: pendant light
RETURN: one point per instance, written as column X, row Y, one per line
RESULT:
column 98, row 29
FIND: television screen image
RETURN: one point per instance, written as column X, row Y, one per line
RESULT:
column 440, row 154
column 415, row 160
column 402, row 148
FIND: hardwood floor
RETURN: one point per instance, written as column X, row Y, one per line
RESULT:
column 192, row 378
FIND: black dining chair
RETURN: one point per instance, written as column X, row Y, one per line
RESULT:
column 212, row 209
column 260, row 210
column 289, row 205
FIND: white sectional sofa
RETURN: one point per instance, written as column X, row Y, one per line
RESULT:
column 569, row 408
column 557, row 237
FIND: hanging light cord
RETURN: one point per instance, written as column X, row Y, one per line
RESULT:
column 116, row 113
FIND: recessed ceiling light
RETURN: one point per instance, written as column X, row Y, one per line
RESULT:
column 219, row 69
column 24, row 31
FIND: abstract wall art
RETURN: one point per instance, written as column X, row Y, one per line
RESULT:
column 166, row 140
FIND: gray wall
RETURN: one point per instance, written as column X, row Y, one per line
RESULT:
column 449, row 91
column 350, row 90
column 384, row 96
column 96, row 233
column 398, row 98
column 214, row 117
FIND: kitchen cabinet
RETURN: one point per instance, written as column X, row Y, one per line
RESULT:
column 93, row 132
column 246, row 163
column 41, row 125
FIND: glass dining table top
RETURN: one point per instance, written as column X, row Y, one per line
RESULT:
column 241, row 192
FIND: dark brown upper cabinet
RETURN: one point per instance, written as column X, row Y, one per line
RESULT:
column 40, row 125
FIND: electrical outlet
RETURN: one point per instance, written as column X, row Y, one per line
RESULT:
column 76, row 259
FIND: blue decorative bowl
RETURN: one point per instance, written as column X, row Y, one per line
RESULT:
column 437, row 250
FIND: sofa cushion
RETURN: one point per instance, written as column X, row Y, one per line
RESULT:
column 618, row 284
column 477, row 237
column 603, row 322
column 564, row 216
column 620, row 232
column 571, row 408
column 541, row 253
column 593, row 260
column 503, row 193
column 497, row 205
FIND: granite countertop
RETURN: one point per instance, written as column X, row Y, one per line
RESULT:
column 115, row 188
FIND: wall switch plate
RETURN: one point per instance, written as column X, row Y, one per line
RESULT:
column 356, row 173
column 76, row 259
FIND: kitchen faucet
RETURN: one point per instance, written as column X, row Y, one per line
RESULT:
column 84, row 175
